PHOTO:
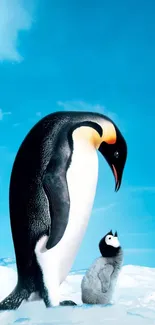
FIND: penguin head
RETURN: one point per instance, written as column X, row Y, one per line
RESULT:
column 114, row 149
column 104, row 135
column 109, row 245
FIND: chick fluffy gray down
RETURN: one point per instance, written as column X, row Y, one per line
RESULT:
column 99, row 282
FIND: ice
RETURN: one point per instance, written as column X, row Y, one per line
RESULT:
column 133, row 301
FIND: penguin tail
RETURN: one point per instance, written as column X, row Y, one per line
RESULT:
column 14, row 299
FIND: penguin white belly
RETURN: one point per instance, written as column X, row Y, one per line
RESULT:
column 82, row 178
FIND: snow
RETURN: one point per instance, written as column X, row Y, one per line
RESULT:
column 8, row 280
column 133, row 301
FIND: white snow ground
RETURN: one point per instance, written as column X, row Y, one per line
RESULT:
column 133, row 303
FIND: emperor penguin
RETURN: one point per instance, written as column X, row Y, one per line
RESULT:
column 51, row 194
column 99, row 282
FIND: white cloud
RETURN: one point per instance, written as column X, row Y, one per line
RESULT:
column 6, row 155
column 80, row 105
column 3, row 147
column 15, row 16
column 142, row 189
column 38, row 114
column 15, row 125
column 139, row 250
column 137, row 234
column 3, row 113
column 103, row 209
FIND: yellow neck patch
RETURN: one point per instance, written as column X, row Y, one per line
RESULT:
column 90, row 135
column 109, row 133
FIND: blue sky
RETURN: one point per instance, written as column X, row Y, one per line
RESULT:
column 87, row 55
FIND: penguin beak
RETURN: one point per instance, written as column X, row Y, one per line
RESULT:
column 117, row 167
column 117, row 178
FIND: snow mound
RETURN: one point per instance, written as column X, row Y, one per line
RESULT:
column 8, row 280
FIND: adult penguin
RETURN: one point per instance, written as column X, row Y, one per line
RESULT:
column 52, row 189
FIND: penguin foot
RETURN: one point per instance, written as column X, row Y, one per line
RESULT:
column 68, row 303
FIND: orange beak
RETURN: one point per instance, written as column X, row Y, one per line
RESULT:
column 116, row 178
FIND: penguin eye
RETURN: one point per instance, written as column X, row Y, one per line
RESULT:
column 116, row 154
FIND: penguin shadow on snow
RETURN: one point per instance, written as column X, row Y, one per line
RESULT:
column 99, row 281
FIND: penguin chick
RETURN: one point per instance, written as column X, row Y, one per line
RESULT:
column 100, row 279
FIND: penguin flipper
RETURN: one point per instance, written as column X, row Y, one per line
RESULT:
column 14, row 299
column 105, row 276
column 56, row 189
